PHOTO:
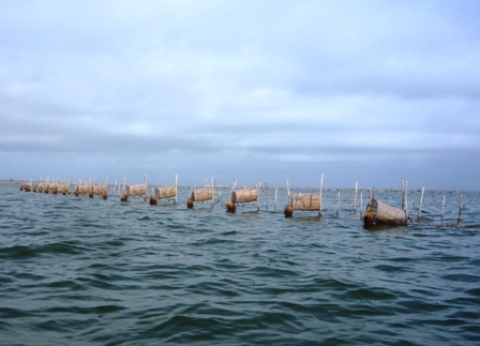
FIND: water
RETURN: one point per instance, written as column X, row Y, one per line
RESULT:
column 82, row 271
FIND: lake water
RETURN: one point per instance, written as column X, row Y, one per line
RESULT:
column 77, row 271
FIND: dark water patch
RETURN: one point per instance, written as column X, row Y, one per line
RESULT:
column 474, row 292
column 64, row 248
column 427, row 292
column 8, row 313
column 4, row 326
column 402, row 259
column 444, row 322
column 421, row 306
column 472, row 331
column 460, row 277
column 273, row 272
column 186, row 329
column 88, row 224
column 475, row 262
column 69, row 285
column 4, row 279
column 464, row 300
column 99, row 310
column 465, row 315
column 279, row 320
column 229, row 265
column 112, row 244
column 334, row 284
column 440, row 256
column 390, row 269
column 358, row 311
column 108, row 281
column 146, row 218
column 218, row 288
column 26, row 276
column 229, row 233
column 367, row 294
column 18, row 252
column 212, row 242
column 58, row 326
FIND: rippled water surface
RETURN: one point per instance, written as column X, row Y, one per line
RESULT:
column 76, row 271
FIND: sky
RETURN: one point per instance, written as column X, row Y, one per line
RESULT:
column 253, row 91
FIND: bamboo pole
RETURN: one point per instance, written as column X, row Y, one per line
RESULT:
column 338, row 202
column 404, row 195
column 421, row 203
column 355, row 198
column 258, row 199
column 361, row 205
column 266, row 196
column 443, row 206
column 176, row 188
column 275, row 200
column 213, row 192
column 459, row 221
column 320, row 196
column 146, row 187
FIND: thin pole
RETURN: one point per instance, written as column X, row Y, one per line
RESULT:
column 361, row 204
column 258, row 195
column 146, row 187
column 355, row 198
column 213, row 192
column 176, row 188
column 459, row 222
column 338, row 202
column 275, row 203
column 266, row 198
column 321, row 195
column 421, row 203
column 443, row 206
column 406, row 198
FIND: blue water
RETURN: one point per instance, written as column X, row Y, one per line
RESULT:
column 76, row 271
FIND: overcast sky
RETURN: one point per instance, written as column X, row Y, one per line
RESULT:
column 258, row 91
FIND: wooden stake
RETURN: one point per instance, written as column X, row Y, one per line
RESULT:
column 266, row 198
column 421, row 203
column 176, row 188
column 404, row 196
column 275, row 203
column 338, row 202
column 355, row 198
column 146, row 187
column 321, row 195
column 459, row 221
column 443, row 206
column 361, row 205
column 214, row 183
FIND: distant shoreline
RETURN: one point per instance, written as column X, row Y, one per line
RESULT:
column 13, row 182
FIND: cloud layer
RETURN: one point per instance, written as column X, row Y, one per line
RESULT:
column 256, row 91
